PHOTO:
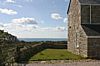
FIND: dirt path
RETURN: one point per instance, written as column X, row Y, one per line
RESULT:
column 90, row 63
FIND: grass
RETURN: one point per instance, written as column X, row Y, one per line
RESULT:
column 55, row 54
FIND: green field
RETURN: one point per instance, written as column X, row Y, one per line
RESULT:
column 55, row 54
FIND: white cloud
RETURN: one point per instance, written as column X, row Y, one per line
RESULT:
column 24, row 20
column 52, row 29
column 23, row 28
column 8, row 11
column 10, row 1
column 34, row 31
column 56, row 16
column 31, row 28
column 60, row 28
column 19, row 27
column 1, row 25
column 20, row 6
column 29, row 0
column 65, row 20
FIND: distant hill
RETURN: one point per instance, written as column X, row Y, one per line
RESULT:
column 7, row 37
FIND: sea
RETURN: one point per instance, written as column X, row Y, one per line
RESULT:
column 42, row 39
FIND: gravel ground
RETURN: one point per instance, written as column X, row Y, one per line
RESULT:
column 96, row 63
column 65, row 63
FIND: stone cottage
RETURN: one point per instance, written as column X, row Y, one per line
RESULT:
column 84, row 27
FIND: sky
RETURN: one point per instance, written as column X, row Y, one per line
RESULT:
column 34, row 18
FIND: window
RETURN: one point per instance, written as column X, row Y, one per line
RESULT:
column 85, row 14
column 90, row 14
column 95, row 14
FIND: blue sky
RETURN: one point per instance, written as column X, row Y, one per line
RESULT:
column 34, row 18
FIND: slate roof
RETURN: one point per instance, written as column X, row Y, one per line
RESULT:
column 90, row 1
column 91, row 30
column 85, row 2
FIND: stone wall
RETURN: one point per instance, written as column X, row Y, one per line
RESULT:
column 77, row 39
column 7, row 48
column 7, row 53
column 94, row 47
column 82, row 41
column 7, row 37
column 24, row 53
column 73, row 25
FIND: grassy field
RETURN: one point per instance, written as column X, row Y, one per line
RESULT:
column 55, row 54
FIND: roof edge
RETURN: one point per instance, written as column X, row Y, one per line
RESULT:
column 68, row 6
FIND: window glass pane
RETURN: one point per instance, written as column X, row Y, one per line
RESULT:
column 95, row 14
column 85, row 14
